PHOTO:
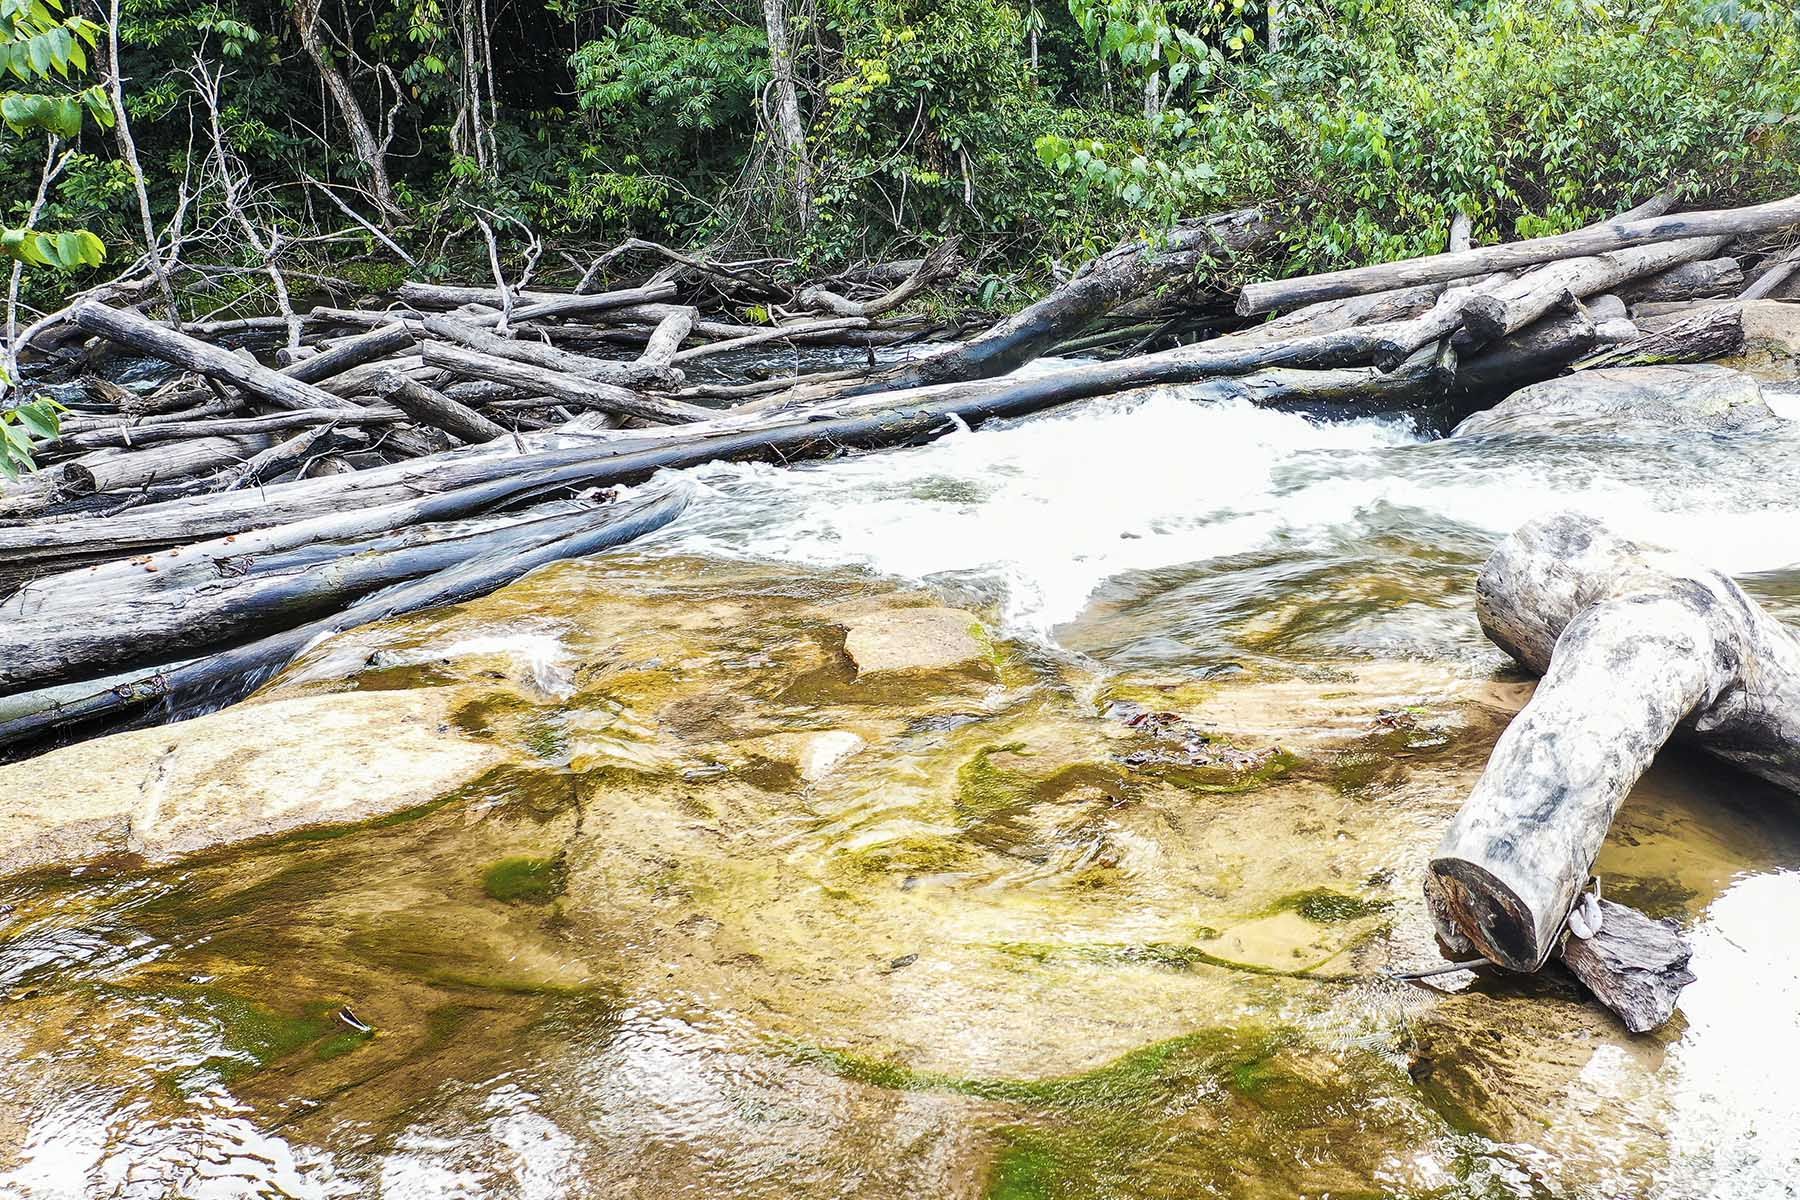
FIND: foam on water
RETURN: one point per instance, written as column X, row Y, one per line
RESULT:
column 1038, row 514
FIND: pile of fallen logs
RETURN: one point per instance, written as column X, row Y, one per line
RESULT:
column 205, row 528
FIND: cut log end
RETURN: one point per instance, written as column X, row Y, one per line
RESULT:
column 1490, row 915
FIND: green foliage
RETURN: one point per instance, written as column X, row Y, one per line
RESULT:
column 20, row 428
column 1387, row 117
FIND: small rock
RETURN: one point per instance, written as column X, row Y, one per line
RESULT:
column 899, row 640
column 1698, row 396
column 823, row 752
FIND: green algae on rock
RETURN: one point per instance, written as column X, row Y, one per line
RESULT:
column 524, row 880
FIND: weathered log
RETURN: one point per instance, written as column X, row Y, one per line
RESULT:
column 123, row 470
column 798, row 331
column 378, row 343
column 1533, row 354
column 570, row 389
column 1635, row 645
column 940, row 262
column 435, row 409
column 278, row 459
column 224, row 678
column 150, row 337
column 1708, row 334
column 140, row 333
column 540, row 354
column 1499, row 311
column 1308, row 289
column 436, row 295
column 147, row 433
column 1634, row 965
column 202, row 599
column 1395, row 342
column 1124, row 272
column 665, row 341
column 1773, row 277
column 1690, row 281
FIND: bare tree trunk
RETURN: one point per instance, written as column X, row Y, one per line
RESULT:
column 1152, row 95
column 122, row 127
column 790, row 133
column 362, row 138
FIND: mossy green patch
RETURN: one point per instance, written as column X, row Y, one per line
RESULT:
column 921, row 854
column 1322, row 906
column 1027, row 1168
column 525, row 880
column 1169, row 956
column 1225, row 779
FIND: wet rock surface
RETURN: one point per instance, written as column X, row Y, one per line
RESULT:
column 718, row 917
column 244, row 772
column 1700, row 397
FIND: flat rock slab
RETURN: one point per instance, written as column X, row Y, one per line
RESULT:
column 899, row 640
column 1702, row 397
column 248, row 771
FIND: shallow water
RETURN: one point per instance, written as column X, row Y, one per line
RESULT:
column 731, row 922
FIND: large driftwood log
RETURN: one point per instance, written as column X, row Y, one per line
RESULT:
column 1308, row 289
column 226, row 677
column 1691, row 281
column 435, row 409
column 1500, row 311
column 1635, row 645
column 1121, row 274
column 1708, row 334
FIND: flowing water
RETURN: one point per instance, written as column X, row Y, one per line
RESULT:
column 717, row 917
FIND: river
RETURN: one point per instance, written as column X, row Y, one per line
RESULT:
column 659, row 954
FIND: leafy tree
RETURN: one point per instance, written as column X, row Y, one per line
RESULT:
column 42, row 47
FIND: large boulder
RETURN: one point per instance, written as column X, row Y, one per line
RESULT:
column 247, row 771
column 1700, row 397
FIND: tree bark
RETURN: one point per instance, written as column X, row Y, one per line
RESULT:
column 790, row 132
column 435, row 409
column 1690, row 281
column 1708, row 334
column 537, row 354
column 1635, row 645
column 1601, row 239
column 305, row 15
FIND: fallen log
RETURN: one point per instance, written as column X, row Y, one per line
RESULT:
column 122, row 470
column 224, row 678
column 207, row 598
column 665, row 340
column 1496, row 312
column 1635, row 645
column 284, row 391
column 1533, row 354
column 1122, row 273
column 940, row 262
column 541, row 354
column 1702, row 280
column 145, row 433
column 1705, row 335
column 570, row 389
column 437, row 295
column 435, row 409
column 1308, row 289
column 1773, row 277
column 378, row 343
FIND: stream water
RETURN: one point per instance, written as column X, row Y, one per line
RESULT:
column 728, row 921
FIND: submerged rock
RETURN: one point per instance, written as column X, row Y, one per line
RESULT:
column 900, row 640
column 1702, row 397
column 243, row 772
